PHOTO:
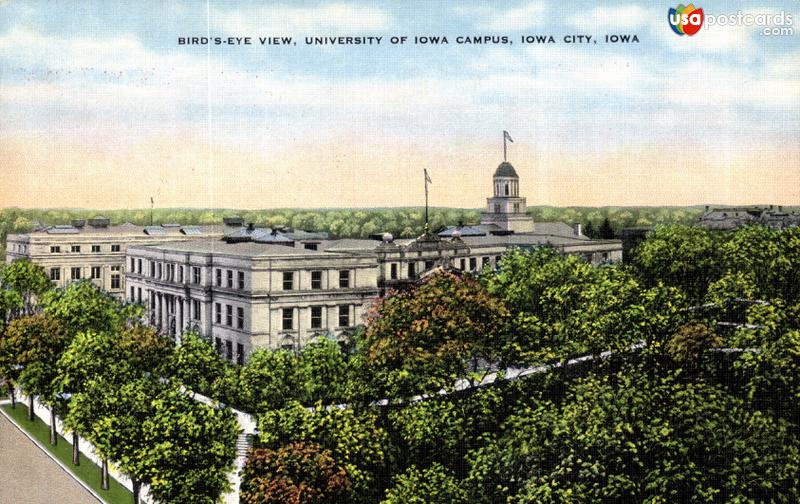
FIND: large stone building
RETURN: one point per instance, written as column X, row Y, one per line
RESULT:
column 94, row 249
column 264, row 288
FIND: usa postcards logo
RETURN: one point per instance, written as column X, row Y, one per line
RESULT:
column 686, row 19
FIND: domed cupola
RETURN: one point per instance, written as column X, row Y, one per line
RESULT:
column 506, row 170
column 506, row 181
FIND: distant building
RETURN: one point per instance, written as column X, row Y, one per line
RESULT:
column 731, row 218
column 94, row 249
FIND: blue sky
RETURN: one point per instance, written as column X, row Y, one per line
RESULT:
column 103, row 88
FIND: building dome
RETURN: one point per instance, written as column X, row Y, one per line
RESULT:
column 506, row 170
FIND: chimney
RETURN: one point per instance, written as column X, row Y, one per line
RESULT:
column 780, row 208
column 707, row 208
column 577, row 228
column 250, row 226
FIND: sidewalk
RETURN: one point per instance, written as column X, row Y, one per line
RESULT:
column 28, row 476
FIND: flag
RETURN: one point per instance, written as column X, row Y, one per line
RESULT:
column 427, row 178
column 506, row 136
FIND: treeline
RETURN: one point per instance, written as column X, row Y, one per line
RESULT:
column 402, row 222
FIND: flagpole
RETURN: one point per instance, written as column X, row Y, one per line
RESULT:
column 425, row 172
column 505, row 157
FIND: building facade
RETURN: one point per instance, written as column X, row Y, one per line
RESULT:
column 94, row 249
column 244, row 294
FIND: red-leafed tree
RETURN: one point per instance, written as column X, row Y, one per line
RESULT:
column 297, row 473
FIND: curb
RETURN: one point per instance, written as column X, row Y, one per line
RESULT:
column 50, row 455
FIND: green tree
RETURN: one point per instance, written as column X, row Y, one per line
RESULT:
column 29, row 281
column 187, row 450
column 679, row 256
column 691, row 343
column 82, row 306
column 272, row 378
column 426, row 337
column 195, row 364
column 297, row 473
column 31, row 347
column 433, row 485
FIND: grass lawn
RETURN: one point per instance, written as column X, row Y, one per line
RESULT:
column 88, row 472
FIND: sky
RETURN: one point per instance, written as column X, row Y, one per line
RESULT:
column 101, row 107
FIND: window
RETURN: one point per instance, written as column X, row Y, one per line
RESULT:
column 218, row 313
column 463, row 264
column 133, row 264
column 316, row 317
column 288, row 280
column 115, row 268
column 485, row 261
column 393, row 273
column 344, row 279
column 411, row 270
column 195, row 309
column 55, row 273
column 115, row 248
column 75, row 273
column 139, row 294
column 239, row 317
column 219, row 278
column 228, row 315
column 133, row 293
column 497, row 260
column 516, row 207
column 180, row 274
column 506, row 188
column 241, row 279
column 195, row 274
column 95, row 248
column 115, row 281
column 344, row 316
column 288, row 319
column 473, row 263
column 229, row 350
column 75, row 248
column 310, row 246
column 229, row 275
column 158, row 271
column 316, row 279
column 239, row 354
column 152, row 269
column 95, row 272
column 55, row 249
column 429, row 265
column 218, row 345
column 139, row 266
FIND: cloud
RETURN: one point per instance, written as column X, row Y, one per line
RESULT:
column 620, row 17
column 525, row 17
column 338, row 18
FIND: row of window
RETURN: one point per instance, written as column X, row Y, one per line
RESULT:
column 229, row 315
column 55, row 249
column 229, row 282
column 95, row 273
column 316, row 279
column 288, row 324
